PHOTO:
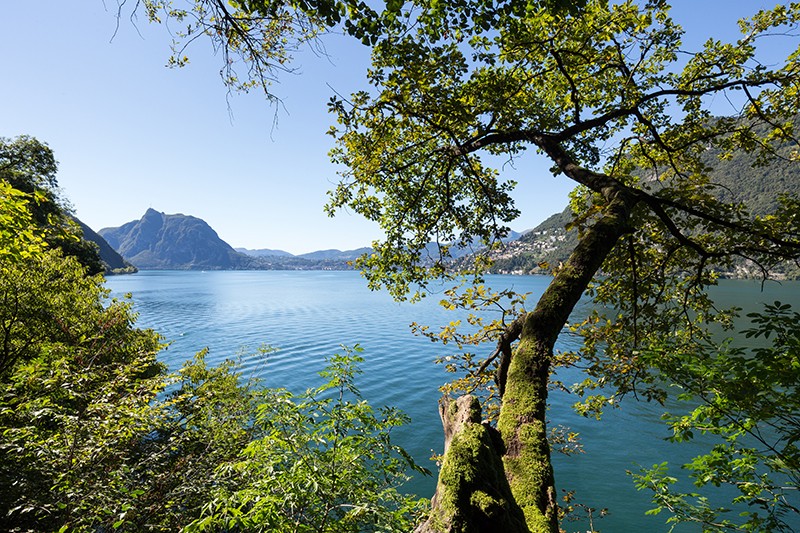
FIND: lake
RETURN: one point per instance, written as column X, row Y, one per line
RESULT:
column 309, row 315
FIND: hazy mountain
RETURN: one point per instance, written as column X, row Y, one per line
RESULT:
column 179, row 241
column 264, row 252
column 347, row 255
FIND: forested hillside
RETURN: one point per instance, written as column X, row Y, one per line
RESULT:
column 736, row 179
column 29, row 167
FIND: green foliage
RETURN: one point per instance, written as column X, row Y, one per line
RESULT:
column 77, row 384
column 44, row 298
column 19, row 239
column 92, row 440
column 488, row 314
column 747, row 401
column 736, row 178
column 320, row 461
column 29, row 166
column 597, row 90
column 257, row 38
column 95, row 435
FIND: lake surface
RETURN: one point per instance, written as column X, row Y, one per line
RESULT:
column 309, row 315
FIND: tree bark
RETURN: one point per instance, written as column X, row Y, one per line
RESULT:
column 522, row 422
column 492, row 482
column 472, row 495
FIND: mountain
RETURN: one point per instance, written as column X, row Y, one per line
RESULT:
column 736, row 179
column 264, row 252
column 161, row 241
column 182, row 242
column 319, row 255
column 338, row 255
column 112, row 261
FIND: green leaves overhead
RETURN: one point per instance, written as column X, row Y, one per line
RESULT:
column 256, row 39
column 418, row 192
column 602, row 93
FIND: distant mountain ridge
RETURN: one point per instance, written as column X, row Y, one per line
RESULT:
column 347, row 255
column 184, row 242
column 319, row 255
column 264, row 252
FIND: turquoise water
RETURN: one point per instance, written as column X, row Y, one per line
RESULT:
column 309, row 315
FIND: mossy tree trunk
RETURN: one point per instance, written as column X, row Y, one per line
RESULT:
column 472, row 495
column 522, row 425
column 522, row 422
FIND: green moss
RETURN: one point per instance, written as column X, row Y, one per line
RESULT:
column 521, row 424
column 473, row 494
column 486, row 504
column 461, row 466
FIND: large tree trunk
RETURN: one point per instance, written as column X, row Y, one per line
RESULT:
column 522, row 423
column 472, row 495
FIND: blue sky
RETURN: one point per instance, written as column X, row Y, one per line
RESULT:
column 130, row 134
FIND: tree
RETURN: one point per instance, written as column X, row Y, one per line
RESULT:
column 609, row 97
column 96, row 435
column 28, row 165
column 607, row 94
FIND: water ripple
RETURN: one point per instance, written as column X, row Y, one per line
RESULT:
column 309, row 315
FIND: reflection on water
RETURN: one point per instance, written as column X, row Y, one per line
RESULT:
column 309, row 315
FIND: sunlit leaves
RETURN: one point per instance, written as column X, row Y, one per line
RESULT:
column 748, row 400
column 78, row 381
column 19, row 237
column 605, row 84
column 321, row 461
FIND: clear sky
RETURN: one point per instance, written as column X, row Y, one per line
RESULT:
column 130, row 134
